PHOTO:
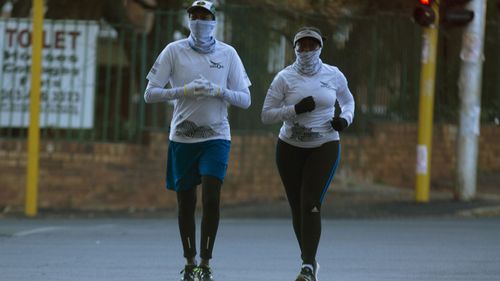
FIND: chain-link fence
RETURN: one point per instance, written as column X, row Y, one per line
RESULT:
column 94, row 74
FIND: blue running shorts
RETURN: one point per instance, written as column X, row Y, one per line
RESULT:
column 187, row 162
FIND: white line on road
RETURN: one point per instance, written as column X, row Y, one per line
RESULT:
column 57, row 228
column 37, row 231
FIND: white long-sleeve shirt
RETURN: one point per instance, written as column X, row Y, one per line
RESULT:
column 197, row 119
column 155, row 94
column 310, row 129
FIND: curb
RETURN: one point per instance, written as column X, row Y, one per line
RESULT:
column 491, row 211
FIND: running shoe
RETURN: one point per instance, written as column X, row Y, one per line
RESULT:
column 306, row 274
column 189, row 273
column 204, row 273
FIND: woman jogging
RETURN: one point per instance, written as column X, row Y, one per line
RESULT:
column 303, row 97
column 205, row 75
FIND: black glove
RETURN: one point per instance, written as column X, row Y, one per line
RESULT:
column 338, row 123
column 305, row 105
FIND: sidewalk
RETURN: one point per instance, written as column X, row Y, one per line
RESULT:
column 360, row 201
column 379, row 201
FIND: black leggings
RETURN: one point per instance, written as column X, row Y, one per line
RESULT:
column 186, row 201
column 306, row 174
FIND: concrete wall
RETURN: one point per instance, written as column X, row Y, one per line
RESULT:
column 106, row 176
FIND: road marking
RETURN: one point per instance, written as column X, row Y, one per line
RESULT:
column 37, row 231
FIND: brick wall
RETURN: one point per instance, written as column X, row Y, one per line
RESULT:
column 103, row 176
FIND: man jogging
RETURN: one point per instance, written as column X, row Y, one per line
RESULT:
column 205, row 76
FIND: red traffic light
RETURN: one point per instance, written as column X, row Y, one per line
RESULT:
column 423, row 14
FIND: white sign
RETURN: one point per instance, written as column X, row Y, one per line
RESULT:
column 471, row 121
column 426, row 47
column 421, row 159
column 471, row 47
column 68, row 73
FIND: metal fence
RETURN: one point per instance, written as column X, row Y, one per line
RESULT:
column 379, row 55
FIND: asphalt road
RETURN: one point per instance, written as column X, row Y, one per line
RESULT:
column 124, row 249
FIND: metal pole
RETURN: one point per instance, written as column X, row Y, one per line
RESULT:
column 34, row 127
column 426, row 108
column 469, row 92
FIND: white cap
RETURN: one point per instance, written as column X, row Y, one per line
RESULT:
column 207, row 5
column 309, row 32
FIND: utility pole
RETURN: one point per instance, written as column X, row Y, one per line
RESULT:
column 31, row 207
column 469, row 88
column 426, row 14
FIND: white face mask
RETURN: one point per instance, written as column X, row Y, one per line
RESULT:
column 308, row 63
column 201, row 38
column 202, row 30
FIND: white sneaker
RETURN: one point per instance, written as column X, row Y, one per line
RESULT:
column 308, row 273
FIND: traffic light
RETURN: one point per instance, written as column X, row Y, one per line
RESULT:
column 455, row 12
column 423, row 14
